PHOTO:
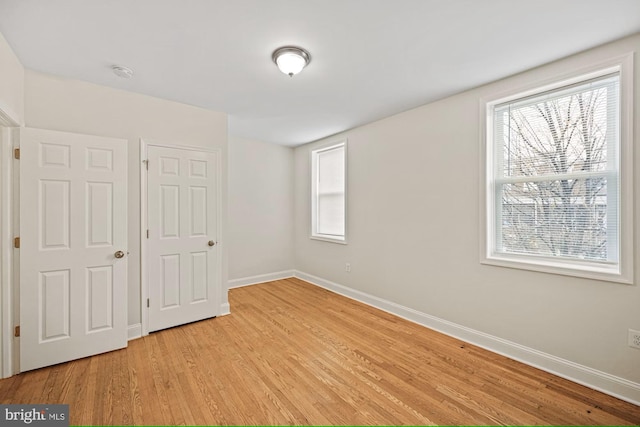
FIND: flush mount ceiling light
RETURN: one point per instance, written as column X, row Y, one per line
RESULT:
column 290, row 59
column 122, row 72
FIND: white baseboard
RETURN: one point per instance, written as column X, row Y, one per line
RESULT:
column 589, row 377
column 134, row 331
column 225, row 309
column 261, row 278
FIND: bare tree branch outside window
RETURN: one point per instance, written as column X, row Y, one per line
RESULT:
column 554, row 170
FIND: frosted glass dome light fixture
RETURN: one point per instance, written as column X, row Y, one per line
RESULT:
column 290, row 59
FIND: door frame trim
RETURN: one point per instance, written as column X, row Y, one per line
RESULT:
column 8, row 217
column 145, row 143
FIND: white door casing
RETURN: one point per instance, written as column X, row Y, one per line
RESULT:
column 182, row 266
column 73, row 221
column 6, row 250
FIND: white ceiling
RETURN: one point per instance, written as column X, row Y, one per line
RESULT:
column 370, row 58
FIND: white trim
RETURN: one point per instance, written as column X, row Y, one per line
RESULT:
column 8, row 117
column 589, row 377
column 313, row 152
column 5, row 253
column 225, row 309
column 144, row 280
column 223, row 295
column 327, row 239
column 260, row 278
column 15, row 277
column 144, row 284
column 621, row 272
column 6, row 249
column 134, row 331
column 626, row 157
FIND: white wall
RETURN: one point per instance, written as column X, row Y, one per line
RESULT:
column 413, row 227
column 260, row 229
column 76, row 106
column 11, row 83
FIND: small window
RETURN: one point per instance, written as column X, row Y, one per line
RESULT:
column 554, row 179
column 328, row 193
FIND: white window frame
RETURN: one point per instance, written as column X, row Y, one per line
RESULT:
column 621, row 272
column 315, row 235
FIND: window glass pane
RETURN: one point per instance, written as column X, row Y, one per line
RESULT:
column 331, row 214
column 331, row 171
column 329, row 192
column 558, row 133
column 556, row 173
column 564, row 218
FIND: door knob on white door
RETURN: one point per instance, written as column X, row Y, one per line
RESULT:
column 211, row 243
column 119, row 254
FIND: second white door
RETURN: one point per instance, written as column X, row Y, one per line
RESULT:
column 182, row 260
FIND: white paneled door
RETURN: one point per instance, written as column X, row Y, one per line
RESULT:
column 73, row 246
column 182, row 260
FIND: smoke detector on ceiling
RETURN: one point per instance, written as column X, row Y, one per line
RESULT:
column 122, row 72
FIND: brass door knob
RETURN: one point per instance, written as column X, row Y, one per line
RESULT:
column 211, row 243
column 119, row 254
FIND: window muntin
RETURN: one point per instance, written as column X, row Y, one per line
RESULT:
column 553, row 170
column 329, row 193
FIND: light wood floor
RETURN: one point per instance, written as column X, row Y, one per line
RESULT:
column 292, row 353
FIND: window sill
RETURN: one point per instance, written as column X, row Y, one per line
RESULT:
column 328, row 239
column 608, row 273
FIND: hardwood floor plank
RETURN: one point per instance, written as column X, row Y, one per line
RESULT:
column 293, row 353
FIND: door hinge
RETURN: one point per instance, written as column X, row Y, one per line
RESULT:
column 147, row 233
column 146, row 163
column 16, row 242
column 147, row 302
column 16, row 153
column 16, row 331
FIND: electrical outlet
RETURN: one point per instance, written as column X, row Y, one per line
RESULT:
column 347, row 268
column 634, row 338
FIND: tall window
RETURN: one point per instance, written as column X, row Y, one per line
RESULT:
column 553, row 176
column 328, row 193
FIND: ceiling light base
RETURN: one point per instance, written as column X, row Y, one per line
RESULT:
column 291, row 59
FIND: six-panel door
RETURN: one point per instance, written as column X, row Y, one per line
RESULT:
column 183, row 272
column 73, row 220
